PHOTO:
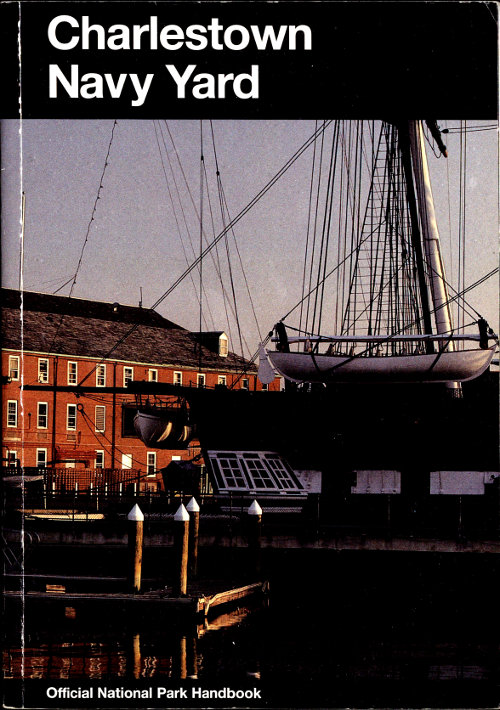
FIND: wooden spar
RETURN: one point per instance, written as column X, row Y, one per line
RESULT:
column 404, row 143
column 254, row 534
column 379, row 338
column 181, row 537
column 135, row 538
column 194, row 511
column 430, row 233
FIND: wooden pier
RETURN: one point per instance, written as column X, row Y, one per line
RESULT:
column 199, row 600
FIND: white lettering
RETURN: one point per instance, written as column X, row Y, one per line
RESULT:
column 141, row 90
column 228, row 39
column 120, row 37
column 87, row 29
column 54, row 24
column 180, row 81
column 268, row 35
column 194, row 33
column 171, row 32
column 56, row 75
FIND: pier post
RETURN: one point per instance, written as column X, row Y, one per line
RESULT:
column 135, row 538
column 194, row 528
column 181, row 543
column 254, row 535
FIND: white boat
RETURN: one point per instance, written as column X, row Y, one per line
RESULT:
column 392, row 303
column 454, row 366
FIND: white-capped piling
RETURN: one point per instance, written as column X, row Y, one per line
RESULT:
column 181, row 545
column 194, row 528
column 254, row 536
column 135, row 539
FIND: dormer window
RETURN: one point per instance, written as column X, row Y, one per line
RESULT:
column 223, row 345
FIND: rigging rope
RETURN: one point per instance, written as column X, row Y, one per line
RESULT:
column 215, row 241
column 87, row 234
column 157, row 128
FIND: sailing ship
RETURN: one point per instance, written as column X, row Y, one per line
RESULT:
column 390, row 301
column 396, row 325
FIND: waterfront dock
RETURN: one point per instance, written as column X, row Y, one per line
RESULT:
column 199, row 600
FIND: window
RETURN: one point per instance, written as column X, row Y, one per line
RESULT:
column 72, row 373
column 245, row 384
column 126, row 460
column 259, row 474
column 283, row 474
column 43, row 370
column 43, row 412
column 100, row 418
column 100, row 376
column 177, row 378
column 265, row 387
column 14, row 367
column 222, row 380
column 151, row 463
column 12, row 458
column 12, row 413
column 261, row 471
column 99, row 459
column 41, row 458
column 231, row 472
column 200, row 380
column 152, row 375
column 128, row 375
column 71, row 417
column 223, row 347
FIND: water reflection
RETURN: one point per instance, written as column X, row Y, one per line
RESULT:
column 171, row 651
column 369, row 626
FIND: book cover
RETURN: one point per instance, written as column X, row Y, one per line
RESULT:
column 249, row 260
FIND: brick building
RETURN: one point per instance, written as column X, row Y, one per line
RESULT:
column 63, row 342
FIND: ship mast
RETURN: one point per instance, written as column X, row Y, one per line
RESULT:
column 430, row 235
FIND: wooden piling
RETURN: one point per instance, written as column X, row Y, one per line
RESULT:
column 135, row 539
column 194, row 527
column 254, row 535
column 181, row 545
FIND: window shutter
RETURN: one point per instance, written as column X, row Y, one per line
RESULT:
column 100, row 418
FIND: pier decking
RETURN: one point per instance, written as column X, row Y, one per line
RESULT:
column 199, row 600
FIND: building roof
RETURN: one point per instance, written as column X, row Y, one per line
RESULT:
column 84, row 328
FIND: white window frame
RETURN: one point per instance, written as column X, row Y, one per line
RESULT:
column 100, row 375
column 152, row 375
column 265, row 387
column 101, row 408
column 99, row 454
column 38, row 452
column 201, row 380
column 43, row 376
column 72, row 372
column 247, row 385
column 151, row 463
column 11, row 458
column 128, row 374
column 40, row 405
column 177, row 375
column 70, row 407
column 14, row 367
column 12, row 413
column 222, row 380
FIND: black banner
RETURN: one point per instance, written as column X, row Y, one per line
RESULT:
column 250, row 59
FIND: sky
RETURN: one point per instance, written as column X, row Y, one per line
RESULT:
column 138, row 243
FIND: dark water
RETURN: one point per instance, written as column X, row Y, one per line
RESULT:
column 339, row 630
